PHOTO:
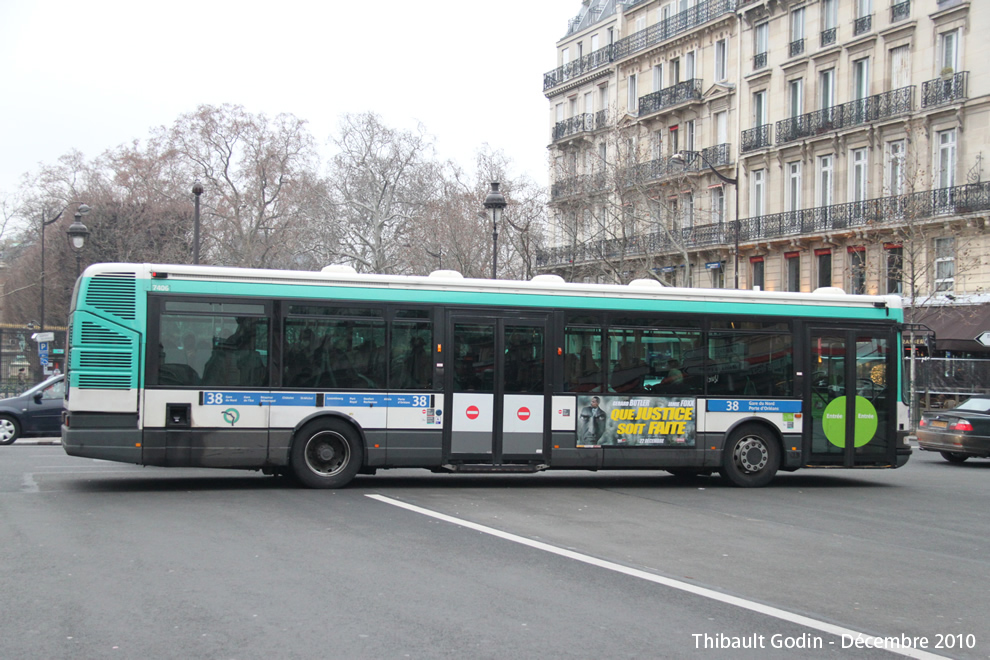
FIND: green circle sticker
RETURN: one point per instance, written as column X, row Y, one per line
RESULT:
column 834, row 422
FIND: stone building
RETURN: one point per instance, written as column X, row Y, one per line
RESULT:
column 780, row 144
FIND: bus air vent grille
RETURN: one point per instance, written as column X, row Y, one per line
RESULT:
column 105, row 382
column 102, row 360
column 94, row 334
column 114, row 293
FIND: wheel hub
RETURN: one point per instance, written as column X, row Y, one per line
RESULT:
column 752, row 455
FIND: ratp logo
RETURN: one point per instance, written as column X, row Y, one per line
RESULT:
column 230, row 415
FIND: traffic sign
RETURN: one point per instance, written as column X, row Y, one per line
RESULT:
column 984, row 339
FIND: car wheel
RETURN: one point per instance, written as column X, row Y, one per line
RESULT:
column 10, row 430
column 326, row 454
column 954, row 456
column 751, row 457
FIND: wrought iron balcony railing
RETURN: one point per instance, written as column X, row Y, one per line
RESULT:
column 759, row 61
column 895, row 211
column 944, row 90
column 828, row 37
column 687, row 90
column 590, row 62
column 873, row 108
column 863, row 24
column 681, row 22
column 641, row 173
column 900, row 11
column 796, row 47
column 580, row 124
column 755, row 138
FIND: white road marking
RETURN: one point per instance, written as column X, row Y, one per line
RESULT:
column 759, row 608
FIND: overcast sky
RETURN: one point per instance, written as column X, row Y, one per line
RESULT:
column 93, row 75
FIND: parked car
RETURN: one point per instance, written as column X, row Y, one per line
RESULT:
column 37, row 412
column 958, row 433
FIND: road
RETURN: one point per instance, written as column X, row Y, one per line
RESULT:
column 101, row 560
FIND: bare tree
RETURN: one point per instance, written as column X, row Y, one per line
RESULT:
column 382, row 180
column 259, row 180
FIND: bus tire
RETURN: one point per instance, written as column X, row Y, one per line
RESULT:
column 10, row 430
column 326, row 454
column 751, row 457
column 954, row 456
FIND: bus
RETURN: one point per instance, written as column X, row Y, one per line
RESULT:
column 327, row 375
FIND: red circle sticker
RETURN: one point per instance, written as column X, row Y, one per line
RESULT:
column 472, row 412
column 523, row 413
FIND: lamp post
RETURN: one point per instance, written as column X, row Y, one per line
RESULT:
column 681, row 157
column 494, row 203
column 77, row 233
column 81, row 211
column 197, row 190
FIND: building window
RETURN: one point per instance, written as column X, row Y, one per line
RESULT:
column 718, row 205
column 632, row 98
column 830, row 19
column 761, row 42
column 945, row 264
column 795, row 93
column 826, row 89
column 759, row 108
column 758, row 274
column 793, row 192
column 603, row 97
column 860, row 170
column 825, row 171
column 657, row 77
column 721, row 60
column 675, row 144
column 689, row 65
column 793, row 261
column 900, row 67
column 895, row 268
column 948, row 52
column 721, row 127
column 857, row 269
column 689, row 135
column 823, row 258
column 894, row 172
column 797, row 32
column 718, row 275
column 688, row 220
column 757, row 205
column 861, row 78
column 946, row 169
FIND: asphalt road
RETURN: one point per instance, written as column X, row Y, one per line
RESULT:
column 109, row 560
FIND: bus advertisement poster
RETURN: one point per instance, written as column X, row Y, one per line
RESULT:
column 630, row 421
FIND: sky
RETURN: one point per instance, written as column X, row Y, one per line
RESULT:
column 97, row 74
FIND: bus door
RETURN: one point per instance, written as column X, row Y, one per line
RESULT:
column 853, row 397
column 496, row 388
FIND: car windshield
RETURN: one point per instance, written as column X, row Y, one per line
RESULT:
column 975, row 404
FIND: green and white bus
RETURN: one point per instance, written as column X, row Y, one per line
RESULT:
column 326, row 375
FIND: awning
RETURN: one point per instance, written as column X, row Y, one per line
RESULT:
column 956, row 326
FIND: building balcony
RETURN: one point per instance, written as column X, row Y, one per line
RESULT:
column 756, row 138
column 687, row 90
column 582, row 184
column 796, row 47
column 863, row 24
column 700, row 14
column 585, row 123
column 828, row 37
column 900, row 11
column 890, row 212
column 590, row 62
column 873, row 108
column 944, row 90
column 759, row 61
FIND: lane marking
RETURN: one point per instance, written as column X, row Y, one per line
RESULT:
column 752, row 606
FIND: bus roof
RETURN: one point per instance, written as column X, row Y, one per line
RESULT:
column 453, row 282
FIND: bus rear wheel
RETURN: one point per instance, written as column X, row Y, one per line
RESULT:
column 326, row 454
column 751, row 457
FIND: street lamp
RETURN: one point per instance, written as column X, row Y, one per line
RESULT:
column 77, row 233
column 494, row 203
column 197, row 190
column 682, row 158
column 81, row 211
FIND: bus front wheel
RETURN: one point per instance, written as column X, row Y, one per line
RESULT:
column 326, row 454
column 751, row 457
